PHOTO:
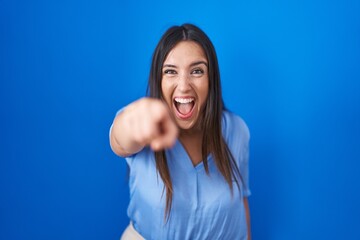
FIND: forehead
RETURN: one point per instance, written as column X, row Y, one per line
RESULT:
column 184, row 53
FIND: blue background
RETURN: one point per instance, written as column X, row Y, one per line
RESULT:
column 289, row 68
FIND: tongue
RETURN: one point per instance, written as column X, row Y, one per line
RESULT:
column 184, row 108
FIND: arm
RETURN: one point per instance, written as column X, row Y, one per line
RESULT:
column 143, row 122
column 247, row 212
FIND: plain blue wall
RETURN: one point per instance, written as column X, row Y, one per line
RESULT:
column 290, row 69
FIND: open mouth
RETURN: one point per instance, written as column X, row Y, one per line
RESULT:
column 184, row 106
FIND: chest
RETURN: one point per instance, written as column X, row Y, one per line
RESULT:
column 193, row 149
column 194, row 190
column 201, row 202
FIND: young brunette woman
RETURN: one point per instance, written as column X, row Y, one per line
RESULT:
column 188, row 155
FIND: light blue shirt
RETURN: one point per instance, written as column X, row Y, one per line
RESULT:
column 202, row 207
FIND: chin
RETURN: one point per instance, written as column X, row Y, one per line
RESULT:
column 187, row 125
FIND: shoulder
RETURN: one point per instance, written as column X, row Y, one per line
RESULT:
column 144, row 158
column 234, row 127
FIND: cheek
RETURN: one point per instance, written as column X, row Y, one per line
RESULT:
column 166, row 91
column 204, row 90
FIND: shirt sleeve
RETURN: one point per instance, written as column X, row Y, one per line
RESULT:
column 244, row 168
column 238, row 136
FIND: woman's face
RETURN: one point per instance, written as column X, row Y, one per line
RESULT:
column 185, row 82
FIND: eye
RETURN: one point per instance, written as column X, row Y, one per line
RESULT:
column 169, row 71
column 198, row 71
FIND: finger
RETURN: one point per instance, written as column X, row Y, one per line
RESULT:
column 159, row 111
column 168, row 137
column 143, row 128
column 150, row 130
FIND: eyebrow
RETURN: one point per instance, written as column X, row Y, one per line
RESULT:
column 198, row 63
column 169, row 65
column 191, row 65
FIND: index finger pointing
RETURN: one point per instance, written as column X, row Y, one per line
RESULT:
column 168, row 136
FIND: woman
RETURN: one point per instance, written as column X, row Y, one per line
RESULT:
column 188, row 156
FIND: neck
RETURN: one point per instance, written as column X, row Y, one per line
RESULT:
column 190, row 133
column 192, row 142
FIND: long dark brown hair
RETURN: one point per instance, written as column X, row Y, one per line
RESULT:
column 213, row 141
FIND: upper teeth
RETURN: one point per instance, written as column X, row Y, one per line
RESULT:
column 184, row 100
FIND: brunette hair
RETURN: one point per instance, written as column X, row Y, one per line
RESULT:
column 213, row 141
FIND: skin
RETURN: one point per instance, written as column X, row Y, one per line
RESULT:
column 185, row 75
column 143, row 122
column 155, row 123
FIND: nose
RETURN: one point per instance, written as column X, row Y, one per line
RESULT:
column 184, row 83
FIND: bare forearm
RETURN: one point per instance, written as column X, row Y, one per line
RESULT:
column 121, row 141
